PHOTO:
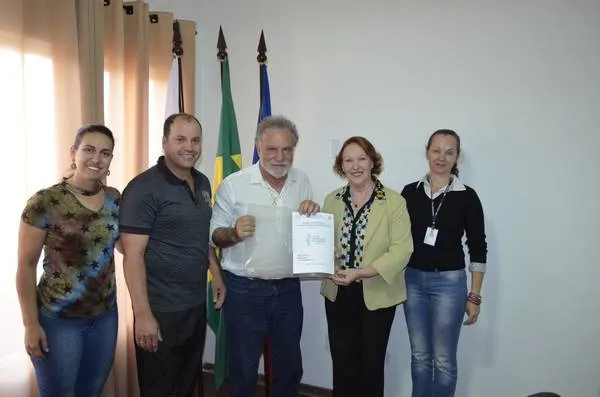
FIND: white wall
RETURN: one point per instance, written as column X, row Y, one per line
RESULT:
column 519, row 81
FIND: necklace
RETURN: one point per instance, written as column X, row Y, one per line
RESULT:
column 274, row 193
column 81, row 191
column 274, row 197
column 364, row 198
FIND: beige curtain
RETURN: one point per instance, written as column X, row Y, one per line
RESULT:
column 188, row 36
column 40, row 109
column 44, row 36
column 91, row 59
column 66, row 63
column 126, row 112
column 160, row 34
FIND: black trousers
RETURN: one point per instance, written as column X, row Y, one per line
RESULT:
column 173, row 370
column 358, row 340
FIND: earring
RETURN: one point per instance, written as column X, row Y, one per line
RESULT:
column 73, row 165
column 107, row 172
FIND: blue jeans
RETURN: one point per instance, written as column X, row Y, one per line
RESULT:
column 80, row 357
column 255, row 309
column 434, row 311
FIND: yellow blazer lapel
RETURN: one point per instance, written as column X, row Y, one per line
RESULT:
column 378, row 212
column 338, row 209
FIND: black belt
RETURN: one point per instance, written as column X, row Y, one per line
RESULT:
column 439, row 268
column 273, row 281
column 262, row 280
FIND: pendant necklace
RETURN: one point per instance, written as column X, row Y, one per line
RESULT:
column 83, row 192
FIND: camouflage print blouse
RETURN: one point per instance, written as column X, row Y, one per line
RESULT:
column 79, row 267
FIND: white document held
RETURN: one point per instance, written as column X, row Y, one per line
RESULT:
column 268, row 254
column 313, row 244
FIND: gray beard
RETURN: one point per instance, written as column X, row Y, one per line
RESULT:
column 276, row 176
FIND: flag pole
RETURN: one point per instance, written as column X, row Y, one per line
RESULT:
column 222, row 47
column 264, row 108
column 261, row 58
column 214, row 317
column 178, row 52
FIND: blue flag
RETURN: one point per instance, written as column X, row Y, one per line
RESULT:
column 265, row 101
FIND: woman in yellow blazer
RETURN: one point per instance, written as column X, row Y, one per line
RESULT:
column 374, row 244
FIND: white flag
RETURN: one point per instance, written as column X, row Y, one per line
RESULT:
column 172, row 104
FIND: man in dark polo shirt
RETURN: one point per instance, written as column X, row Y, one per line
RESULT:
column 164, row 222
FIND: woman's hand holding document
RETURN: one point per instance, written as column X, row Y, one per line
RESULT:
column 313, row 244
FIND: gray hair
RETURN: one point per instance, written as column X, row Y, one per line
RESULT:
column 278, row 122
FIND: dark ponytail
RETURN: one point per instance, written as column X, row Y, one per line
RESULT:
column 454, row 170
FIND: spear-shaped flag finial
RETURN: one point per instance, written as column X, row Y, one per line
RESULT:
column 262, row 49
column 177, row 41
column 221, row 46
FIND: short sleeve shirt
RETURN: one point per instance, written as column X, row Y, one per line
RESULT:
column 249, row 187
column 79, row 269
column 176, row 220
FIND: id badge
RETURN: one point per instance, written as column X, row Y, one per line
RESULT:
column 430, row 236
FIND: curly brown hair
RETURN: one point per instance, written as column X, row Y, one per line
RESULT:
column 369, row 149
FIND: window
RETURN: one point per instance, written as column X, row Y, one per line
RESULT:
column 29, row 162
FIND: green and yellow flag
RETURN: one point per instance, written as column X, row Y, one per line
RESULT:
column 228, row 161
column 229, row 157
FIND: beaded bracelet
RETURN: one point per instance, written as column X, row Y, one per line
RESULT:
column 474, row 298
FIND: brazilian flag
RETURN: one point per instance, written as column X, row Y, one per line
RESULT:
column 228, row 161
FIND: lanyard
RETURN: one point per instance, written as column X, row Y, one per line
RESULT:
column 434, row 212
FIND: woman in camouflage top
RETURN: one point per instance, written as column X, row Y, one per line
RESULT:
column 70, row 317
